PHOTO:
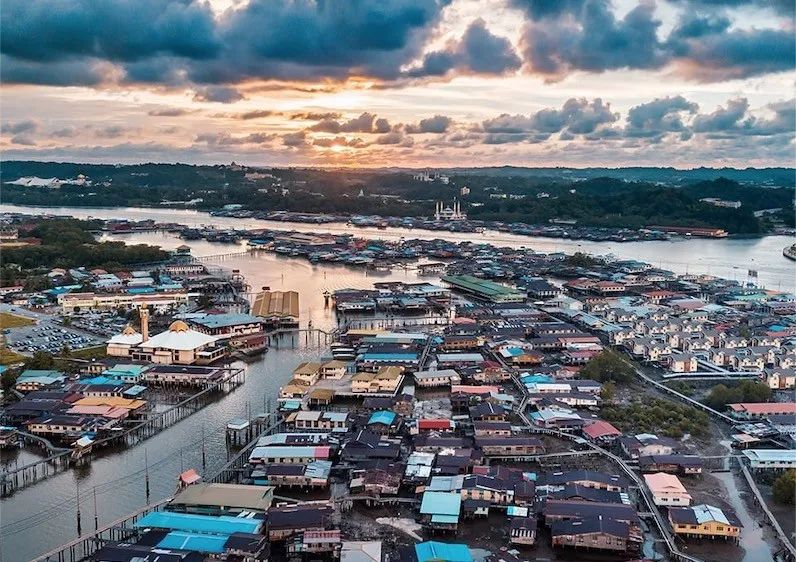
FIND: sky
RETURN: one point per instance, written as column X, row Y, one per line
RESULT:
column 409, row 83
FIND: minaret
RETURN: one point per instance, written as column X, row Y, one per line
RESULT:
column 143, row 314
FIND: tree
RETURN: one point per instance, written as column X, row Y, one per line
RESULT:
column 747, row 391
column 784, row 489
column 7, row 380
column 40, row 360
column 608, row 366
column 608, row 391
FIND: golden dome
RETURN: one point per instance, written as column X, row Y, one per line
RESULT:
column 178, row 326
column 128, row 331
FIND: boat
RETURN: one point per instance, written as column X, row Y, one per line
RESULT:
column 790, row 252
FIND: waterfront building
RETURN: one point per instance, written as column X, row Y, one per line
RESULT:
column 72, row 303
column 484, row 289
column 755, row 410
column 667, row 490
column 179, row 344
column 705, row 521
column 226, row 324
column 222, row 499
column 770, row 459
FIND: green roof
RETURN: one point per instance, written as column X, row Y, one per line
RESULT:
column 481, row 286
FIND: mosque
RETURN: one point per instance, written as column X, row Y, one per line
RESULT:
column 449, row 214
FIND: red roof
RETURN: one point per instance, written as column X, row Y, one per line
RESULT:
column 190, row 476
column 599, row 429
column 434, row 424
column 763, row 408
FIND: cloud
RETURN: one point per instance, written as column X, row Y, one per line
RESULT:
column 17, row 127
column 112, row 132
column 662, row 115
column 316, row 116
column 719, row 55
column 593, row 40
column 478, row 52
column 327, row 142
column 576, row 117
column 437, row 124
column 124, row 30
column 281, row 43
column 295, row 140
column 23, row 139
column 218, row 94
column 170, row 112
column 256, row 114
column 225, row 139
column 586, row 35
column 65, row 132
column 364, row 123
column 723, row 119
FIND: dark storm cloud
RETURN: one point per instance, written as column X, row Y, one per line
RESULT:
column 184, row 44
column 588, row 36
column 162, row 41
column 594, row 40
column 119, row 31
column 735, row 54
column 479, row 51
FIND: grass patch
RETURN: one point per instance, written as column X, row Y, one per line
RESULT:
column 8, row 320
column 654, row 415
column 8, row 357
column 97, row 352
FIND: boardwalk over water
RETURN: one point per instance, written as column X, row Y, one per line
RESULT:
column 31, row 473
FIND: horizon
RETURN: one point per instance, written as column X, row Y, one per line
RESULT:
column 409, row 84
column 397, row 168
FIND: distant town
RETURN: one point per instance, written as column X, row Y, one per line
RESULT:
column 458, row 401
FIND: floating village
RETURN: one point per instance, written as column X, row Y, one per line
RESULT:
column 510, row 406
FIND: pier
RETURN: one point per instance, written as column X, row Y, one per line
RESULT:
column 31, row 473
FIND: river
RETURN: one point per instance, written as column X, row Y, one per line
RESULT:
column 730, row 257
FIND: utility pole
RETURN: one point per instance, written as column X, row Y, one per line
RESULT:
column 96, row 517
column 146, row 475
column 79, row 527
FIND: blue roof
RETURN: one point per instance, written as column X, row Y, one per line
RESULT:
column 221, row 525
column 383, row 416
column 433, row 551
column 224, row 320
column 441, row 503
column 389, row 356
column 527, row 379
column 31, row 373
column 101, row 380
column 189, row 541
column 140, row 290
column 135, row 390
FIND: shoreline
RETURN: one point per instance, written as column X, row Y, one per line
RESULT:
column 475, row 229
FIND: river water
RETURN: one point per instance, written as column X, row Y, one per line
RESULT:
column 729, row 258
column 42, row 517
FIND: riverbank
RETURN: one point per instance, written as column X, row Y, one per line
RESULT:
column 728, row 258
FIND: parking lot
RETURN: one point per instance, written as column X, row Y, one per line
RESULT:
column 48, row 334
